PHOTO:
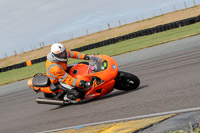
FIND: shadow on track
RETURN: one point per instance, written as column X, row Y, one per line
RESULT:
column 116, row 93
column 112, row 94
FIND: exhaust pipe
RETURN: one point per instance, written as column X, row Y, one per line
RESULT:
column 49, row 101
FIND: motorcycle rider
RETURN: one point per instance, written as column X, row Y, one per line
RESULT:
column 56, row 66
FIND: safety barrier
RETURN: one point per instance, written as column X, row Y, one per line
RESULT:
column 23, row 64
column 140, row 33
column 20, row 65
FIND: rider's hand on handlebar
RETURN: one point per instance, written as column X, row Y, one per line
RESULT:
column 86, row 57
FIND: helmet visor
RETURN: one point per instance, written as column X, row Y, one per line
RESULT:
column 62, row 55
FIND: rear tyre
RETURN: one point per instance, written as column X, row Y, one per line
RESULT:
column 126, row 81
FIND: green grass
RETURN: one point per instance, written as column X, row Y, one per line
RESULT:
column 148, row 41
column 111, row 50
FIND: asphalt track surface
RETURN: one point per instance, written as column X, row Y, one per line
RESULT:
column 170, row 80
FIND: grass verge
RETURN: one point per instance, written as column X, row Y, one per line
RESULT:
column 193, row 129
column 111, row 50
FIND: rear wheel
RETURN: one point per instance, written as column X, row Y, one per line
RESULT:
column 126, row 81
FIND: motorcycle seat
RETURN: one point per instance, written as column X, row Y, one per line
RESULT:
column 41, row 81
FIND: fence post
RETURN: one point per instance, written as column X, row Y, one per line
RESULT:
column 119, row 23
column 40, row 45
column 185, row 4
column 5, row 55
column 108, row 26
column 15, row 52
column 194, row 2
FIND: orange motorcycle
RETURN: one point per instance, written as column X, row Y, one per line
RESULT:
column 101, row 70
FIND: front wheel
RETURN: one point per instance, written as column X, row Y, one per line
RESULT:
column 126, row 81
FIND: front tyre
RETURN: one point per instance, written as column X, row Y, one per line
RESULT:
column 126, row 81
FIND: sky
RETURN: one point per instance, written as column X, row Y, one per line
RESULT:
column 24, row 24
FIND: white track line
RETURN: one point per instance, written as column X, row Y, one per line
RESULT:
column 125, row 119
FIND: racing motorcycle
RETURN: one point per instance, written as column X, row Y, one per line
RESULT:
column 102, row 71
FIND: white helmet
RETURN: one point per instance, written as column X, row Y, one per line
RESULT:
column 59, row 52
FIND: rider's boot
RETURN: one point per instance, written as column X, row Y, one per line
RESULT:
column 71, row 93
column 72, row 96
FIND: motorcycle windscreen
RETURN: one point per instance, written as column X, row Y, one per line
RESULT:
column 96, row 64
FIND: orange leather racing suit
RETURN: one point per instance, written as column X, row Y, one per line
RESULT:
column 56, row 70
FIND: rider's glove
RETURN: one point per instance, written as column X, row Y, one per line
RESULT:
column 86, row 57
column 85, row 84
